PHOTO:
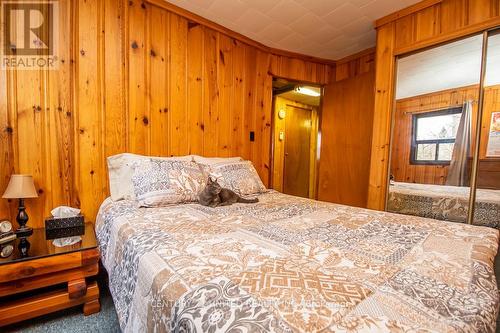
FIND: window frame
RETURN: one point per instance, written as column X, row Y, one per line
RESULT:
column 415, row 142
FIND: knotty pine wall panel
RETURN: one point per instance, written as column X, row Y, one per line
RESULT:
column 136, row 77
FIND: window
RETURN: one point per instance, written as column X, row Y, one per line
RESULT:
column 433, row 136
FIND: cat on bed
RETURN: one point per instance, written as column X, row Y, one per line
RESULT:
column 214, row 195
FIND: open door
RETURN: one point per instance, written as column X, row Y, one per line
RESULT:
column 295, row 137
column 346, row 133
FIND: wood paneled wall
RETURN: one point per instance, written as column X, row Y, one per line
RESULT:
column 136, row 77
column 427, row 23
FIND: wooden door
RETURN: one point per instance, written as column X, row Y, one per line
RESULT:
column 297, row 151
column 346, row 134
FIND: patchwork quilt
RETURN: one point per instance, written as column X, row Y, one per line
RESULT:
column 289, row 264
column 450, row 203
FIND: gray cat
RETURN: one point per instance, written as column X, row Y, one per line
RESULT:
column 214, row 195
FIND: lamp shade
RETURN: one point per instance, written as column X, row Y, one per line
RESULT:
column 20, row 187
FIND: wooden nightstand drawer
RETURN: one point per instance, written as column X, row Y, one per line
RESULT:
column 41, row 266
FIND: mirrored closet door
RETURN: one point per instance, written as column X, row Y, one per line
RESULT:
column 487, row 193
column 434, row 125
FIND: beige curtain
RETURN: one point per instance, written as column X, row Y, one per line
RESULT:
column 458, row 173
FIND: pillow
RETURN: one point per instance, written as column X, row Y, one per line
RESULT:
column 162, row 182
column 120, row 171
column 214, row 160
column 240, row 176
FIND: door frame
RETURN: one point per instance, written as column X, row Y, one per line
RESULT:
column 318, row 132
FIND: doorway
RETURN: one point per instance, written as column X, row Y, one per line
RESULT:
column 295, row 139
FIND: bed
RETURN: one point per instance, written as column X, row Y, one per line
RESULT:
column 450, row 203
column 292, row 264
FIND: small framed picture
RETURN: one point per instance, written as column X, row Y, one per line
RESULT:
column 493, row 148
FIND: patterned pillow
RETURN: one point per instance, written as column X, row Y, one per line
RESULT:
column 239, row 176
column 121, row 170
column 162, row 182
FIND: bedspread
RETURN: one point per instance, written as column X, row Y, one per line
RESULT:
column 289, row 264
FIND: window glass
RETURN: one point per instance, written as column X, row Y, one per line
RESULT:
column 438, row 127
column 434, row 135
column 426, row 152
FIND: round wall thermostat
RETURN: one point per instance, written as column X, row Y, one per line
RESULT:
column 281, row 114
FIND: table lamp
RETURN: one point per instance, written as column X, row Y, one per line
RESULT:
column 21, row 187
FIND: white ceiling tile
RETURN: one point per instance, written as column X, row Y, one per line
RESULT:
column 286, row 12
column 292, row 41
column 276, row 32
column 325, row 33
column 368, row 38
column 228, row 9
column 340, row 40
column 360, row 3
column 379, row 8
column 200, row 3
column 306, row 24
column 322, row 28
column 254, row 21
column 321, row 7
column 358, row 27
column 350, row 50
column 342, row 15
column 261, row 5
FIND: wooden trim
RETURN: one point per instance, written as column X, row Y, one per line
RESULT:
column 445, row 38
column 405, row 12
column 18, row 310
column 385, row 64
column 233, row 34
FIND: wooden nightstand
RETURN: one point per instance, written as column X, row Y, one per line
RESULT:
column 49, row 278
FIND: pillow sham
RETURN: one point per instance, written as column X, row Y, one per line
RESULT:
column 121, row 169
column 239, row 176
column 163, row 182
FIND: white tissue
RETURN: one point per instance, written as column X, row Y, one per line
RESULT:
column 62, row 242
column 65, row 211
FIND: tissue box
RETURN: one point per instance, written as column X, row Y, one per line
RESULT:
column 64, row 222
column 64, row 232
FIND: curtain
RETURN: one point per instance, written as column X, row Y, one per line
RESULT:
column 458, row 173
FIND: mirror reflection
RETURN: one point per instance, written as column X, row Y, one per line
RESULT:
column 434, row 127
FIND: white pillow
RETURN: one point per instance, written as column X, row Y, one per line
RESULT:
column 121, row 170
column 238, row 176
column 214, row 160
